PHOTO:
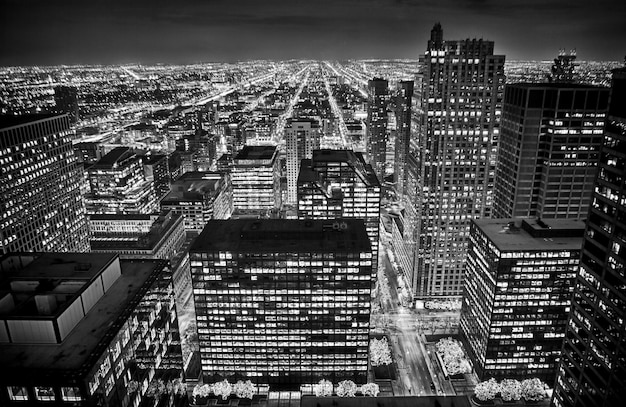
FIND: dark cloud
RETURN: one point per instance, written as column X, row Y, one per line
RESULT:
column 112, row 31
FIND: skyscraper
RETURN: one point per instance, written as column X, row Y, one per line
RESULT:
column 40, row 200
column 339, row 184
column 549, row 148
column 462, row 83
column 376, row 136
column 593, row 366
column 403, row 99
column 66, row 99
column 518, row 286
column 302, row 136
column 256, row 179
column 283, row 302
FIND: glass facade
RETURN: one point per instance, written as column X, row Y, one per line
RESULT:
column 517, row 295
column 593, row 368
column 40, row 187
column 256, row 179
column 283, row 302
column 302, row 136
column 376, row 132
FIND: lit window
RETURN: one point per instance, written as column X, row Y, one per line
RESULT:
column 44, row 393
column 17, row 393
column 70, row 393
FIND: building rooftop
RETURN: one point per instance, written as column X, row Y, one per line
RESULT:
column 283, row 235
column 193, row 186
column 162, row 224
column 8, row 121
column 533, row 235
column 354, row 159
column 113, row 156
column 256, row 153
column 555, row 85
column 397, row 401
column 89, row 338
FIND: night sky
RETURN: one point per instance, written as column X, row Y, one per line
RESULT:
column 47, row 32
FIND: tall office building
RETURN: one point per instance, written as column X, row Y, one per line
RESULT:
column 462, row 85
column 339, row 184
column 302, row 136
column 549, row 148
column 76, row 329
column 256, row 179
column 40, row 181
column 593, row 367
column 156, row 170
column 283, row 302
column 118, row 184
column 66, row 100
column 518, row 286
column 403, row 101
column 376, row 133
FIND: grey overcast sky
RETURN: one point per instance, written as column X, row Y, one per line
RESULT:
column 46, row 32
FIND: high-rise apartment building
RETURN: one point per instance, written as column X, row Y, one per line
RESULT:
column 200, row 196
column 376, row 133
column 339, row 184
column 81, row 329
column 549, row 148
column 593, row 366
column 118, row 184
column 40, row 183
column 403, row 101
column 256, row 179
column 462, row 84
column 518, row 285
column 283, row 302
column 302, row 136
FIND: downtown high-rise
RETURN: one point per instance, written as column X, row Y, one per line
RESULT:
column 593, row 364
column 283, row 302
column 461, row 90
column 549, row 148
column 376, row 133
column 302, row 136
column 40, row 182
column 402, row 109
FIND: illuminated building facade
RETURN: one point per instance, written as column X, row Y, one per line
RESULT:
column 404, row 98
column 376, row 132
column 157, row 172
column 200, row 196
column 339, row 184
column 593, row 367
column 77, row 329
column 549, row 150
column 40, row 186
column 256, row 179
column 154, row 236
column 66, row 100
column 283, row 302
column 302, row 136
column 518, row 287
column 462, row 84
column 118, row 184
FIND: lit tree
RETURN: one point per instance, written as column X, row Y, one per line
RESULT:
column 533, row 389
column 380, row 353
column 222, row 389
column 156, row 389
column 244, row 390
column 175, row 387
column 487, row 390
column 201, row 390
column 510, row 389
column 370, row 389
column 323, row 389
column 133, row 386
column 346, row 388
column 453, row 356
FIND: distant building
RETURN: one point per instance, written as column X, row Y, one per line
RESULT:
column 66, row 100
column 339, row 184
column 89, row 152
column 403, row 101
column 461, row 85
column 154, row 236
column 118, row 184
column 156, row 171
column 199, row 197
column 256, row 179
column 40, row 186
column 593, row 363
column 298, row 302
column 376, row 132
column 302, row 136
column 518, row 286
column 549, row 150
column 77, row 329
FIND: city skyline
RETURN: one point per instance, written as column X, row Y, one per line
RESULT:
column 115, row 32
